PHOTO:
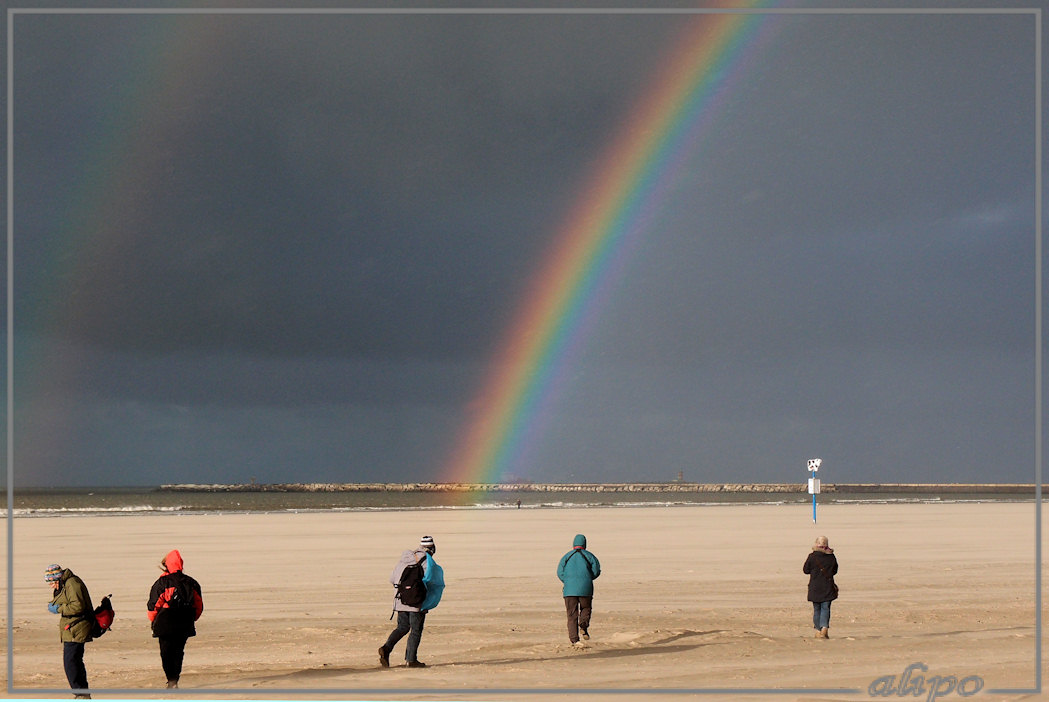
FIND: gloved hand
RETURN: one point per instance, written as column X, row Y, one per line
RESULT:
column 52, row 608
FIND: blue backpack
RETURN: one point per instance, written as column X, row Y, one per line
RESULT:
column 433, row 580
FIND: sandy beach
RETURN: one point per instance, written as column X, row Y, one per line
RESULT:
column 691, row 598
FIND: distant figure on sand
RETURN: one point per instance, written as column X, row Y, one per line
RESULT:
column 175, row 604
column 578, row 569
column 412, row 600
column 821, row 565
column 72, row 602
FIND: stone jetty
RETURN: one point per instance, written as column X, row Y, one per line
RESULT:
column 671, row 487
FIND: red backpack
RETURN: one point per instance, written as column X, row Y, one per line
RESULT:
column 104, row 615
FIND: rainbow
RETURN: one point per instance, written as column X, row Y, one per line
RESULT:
column 596, row 240
column 118, row 170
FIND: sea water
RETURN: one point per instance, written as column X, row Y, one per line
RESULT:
column 68, row 502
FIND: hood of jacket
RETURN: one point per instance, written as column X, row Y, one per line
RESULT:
column 173, row 561
column 579, row 541
column 413, row 556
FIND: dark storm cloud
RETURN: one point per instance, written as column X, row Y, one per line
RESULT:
column 928, row 286
column 398, row 176
column 222, row 379
column 394, row 175
column 284, row 247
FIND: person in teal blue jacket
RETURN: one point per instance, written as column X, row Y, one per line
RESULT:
column 578, row 569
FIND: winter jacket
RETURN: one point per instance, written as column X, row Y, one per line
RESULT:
column 175, row 601
column 578, row 569
column 821, row 567
column 74, row 606
column 407, row 559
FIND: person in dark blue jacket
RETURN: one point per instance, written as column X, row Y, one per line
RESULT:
column 578, row 569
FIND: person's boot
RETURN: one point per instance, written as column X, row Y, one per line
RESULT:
column 824, row 633
column 384, row 657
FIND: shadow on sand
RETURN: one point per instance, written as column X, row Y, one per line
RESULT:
column 596, row 651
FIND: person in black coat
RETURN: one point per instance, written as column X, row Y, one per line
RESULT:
column 821, row 565
column 175, row 604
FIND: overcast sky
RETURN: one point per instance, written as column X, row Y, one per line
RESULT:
column 286, row 247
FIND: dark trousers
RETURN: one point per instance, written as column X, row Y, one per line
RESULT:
column 410, row 623
column 172, row 651
column 578, row 609
column 73, row 661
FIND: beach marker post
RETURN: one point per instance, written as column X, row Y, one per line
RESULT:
column 814, row 483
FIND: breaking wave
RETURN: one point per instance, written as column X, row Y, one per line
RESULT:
column 86, row 511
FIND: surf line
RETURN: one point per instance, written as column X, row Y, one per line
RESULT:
column 595, row 240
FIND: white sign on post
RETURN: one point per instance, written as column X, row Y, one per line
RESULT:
column 814, row 483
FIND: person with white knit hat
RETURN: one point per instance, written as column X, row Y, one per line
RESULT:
column 411, row 610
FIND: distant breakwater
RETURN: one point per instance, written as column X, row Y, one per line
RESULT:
column 672, row 487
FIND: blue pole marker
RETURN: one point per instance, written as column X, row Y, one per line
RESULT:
column 814, row 483
column 814, row 502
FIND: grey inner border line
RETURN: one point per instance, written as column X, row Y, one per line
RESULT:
column 1037, row 14
column 10, row 403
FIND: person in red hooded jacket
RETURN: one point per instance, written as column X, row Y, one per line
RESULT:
column 175, row 603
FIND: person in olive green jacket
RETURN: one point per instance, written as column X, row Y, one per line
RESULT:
column 72, row 603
